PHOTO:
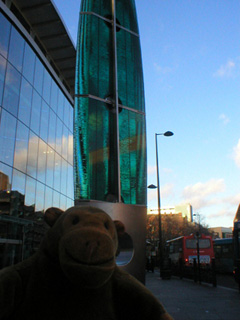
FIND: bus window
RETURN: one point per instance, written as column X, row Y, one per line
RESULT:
column 203, row 243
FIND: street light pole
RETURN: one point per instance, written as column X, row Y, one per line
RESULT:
column 166, row 134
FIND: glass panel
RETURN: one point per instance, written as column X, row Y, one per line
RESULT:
column 5, row 32
column 57, row 172
column 52, row 129
column 126, row 14
column 60, row 104
column 63, row 202
column 48, row 198
column 30, row 192
column 93, row 154
column 50, row 167
column 71, row 110
column 3, row 64
column 21, row 147
column 70, row 182
column 102, row 7
column 64, row 177
column 7, row 137
column 70, row 148
column 25, row 102
column 56, row 199
column 46, row 86
column 69, row 203
column 65, row 142
column 54, row 96
column 40, row 197
column 12, row 90
column 18, row 182
column 5, row 177
column 44, row 121
column 66, row 113
column 130, row 76
column 38, row 76
column 96, row 78
column 16, row 48
column 132, row 157
column 59, row 132
column 42, row 157
column 36, row 112
column 32, row 155
column 28, row 63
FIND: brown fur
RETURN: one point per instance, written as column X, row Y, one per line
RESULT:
column 74, row 275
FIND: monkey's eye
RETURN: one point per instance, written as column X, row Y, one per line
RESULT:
column 106, row 225
column 75, row 220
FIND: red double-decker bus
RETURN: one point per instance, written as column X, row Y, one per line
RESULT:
column 187, row 248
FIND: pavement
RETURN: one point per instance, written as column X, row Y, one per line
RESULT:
column 186, row 300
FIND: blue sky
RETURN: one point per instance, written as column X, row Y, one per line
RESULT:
column 191, row 65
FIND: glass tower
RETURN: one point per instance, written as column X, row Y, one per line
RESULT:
column 110, row 132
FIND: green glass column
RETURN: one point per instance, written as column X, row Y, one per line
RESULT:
column 110, row 132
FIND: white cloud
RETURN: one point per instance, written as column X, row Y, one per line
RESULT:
column 224, row 118
column 204, row 194
column 236, row 154
column 226, row 70
column 167, row 190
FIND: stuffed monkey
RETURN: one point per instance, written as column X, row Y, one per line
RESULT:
column 74, row 275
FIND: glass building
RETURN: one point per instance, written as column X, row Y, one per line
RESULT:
column 110, row 144
column 37, row 72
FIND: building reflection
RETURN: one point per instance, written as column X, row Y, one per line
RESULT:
column 21, row 227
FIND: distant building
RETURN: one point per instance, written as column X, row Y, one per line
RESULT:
column 221, row 232
column 184, row 209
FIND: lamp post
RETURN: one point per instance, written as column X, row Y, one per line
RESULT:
column 166, row 134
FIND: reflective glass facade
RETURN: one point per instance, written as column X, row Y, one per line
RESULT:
column 36, row 127
column 96, row 155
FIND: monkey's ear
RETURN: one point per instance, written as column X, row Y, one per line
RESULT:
column 51, row 215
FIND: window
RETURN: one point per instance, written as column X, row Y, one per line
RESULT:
column 52, row 129
column 36, row 112
column 2, row 76
column 42, row 157
column 60, row 104
column 12, row 90
column 28, row 63
column 56, row 199
column 7, row 137
column 46, row 86
column 5, row 177
column 5, row 28
column 30, row 192
column 44, row 121
column 54, row 96
column 203, row 243
column 21, row 147
column 59, row 132
column 38, row 76
column 57, row 172
column 25, row 102
column 16, row 48
column 40, row 192
column 50, row 167
column 48, row 198
column 32, row 155
column 18, row 181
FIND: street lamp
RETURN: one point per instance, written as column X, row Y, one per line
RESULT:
column 166, row 134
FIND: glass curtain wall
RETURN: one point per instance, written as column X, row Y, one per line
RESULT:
column 95, row 112
column 36, row 129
